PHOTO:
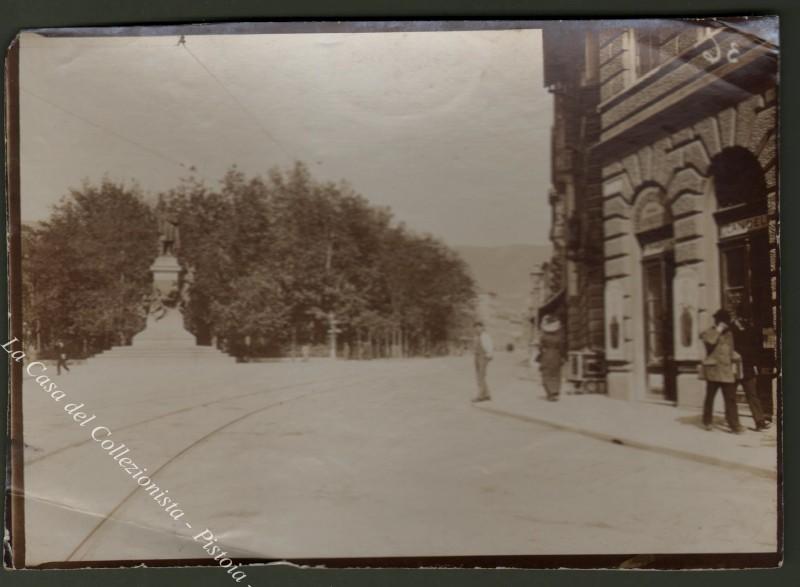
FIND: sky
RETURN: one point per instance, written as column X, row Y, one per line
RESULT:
column 449, row 129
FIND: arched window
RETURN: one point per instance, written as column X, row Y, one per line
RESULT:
column 739, row 182
column 651, row 211
column 741, row 195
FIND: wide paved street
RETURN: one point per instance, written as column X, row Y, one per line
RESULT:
column 381, row 458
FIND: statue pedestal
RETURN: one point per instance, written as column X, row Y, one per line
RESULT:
column 164, row 336
column 165, row 270
column 165, row 332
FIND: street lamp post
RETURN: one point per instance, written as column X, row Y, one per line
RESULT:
column 333, row 330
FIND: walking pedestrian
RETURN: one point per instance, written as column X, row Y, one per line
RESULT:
column 61, row 361
column 484, row 349
column 719, row 370
column 764, row 386
column 766, row 370
column 550, row 355
column 747, row 342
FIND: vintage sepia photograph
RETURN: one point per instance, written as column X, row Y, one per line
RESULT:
column 395, row 294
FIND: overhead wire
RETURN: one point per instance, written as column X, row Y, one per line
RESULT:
column 254, row 117
column 90, row 122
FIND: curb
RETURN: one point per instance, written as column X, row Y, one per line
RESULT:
column 683, row 454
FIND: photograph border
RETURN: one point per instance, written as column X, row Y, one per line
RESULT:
column 694, row 561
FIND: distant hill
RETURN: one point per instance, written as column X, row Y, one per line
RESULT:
column 502, row 275
column 504, row 270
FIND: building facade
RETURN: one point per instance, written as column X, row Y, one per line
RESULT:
column 576, row 198
column 687, row 152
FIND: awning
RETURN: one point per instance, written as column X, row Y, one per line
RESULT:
column 552, row 304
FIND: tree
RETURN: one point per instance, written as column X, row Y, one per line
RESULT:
column 268, row 262
column 87, row 267
column 273, row 259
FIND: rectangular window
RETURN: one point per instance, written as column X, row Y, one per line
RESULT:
column 642, row 53
column 654, row 312
column 648, row 50
column 592, row 55
column 734, row 275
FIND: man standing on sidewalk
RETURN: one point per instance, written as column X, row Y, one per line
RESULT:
column 766, row 371
column 719, row 371
column 747, row 342
column 550, row 356
column 484, row 347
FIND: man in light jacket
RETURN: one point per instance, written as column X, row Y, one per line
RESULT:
column 484, row 349
column 719, row 369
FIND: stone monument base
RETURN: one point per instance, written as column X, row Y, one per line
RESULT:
column 164, row 336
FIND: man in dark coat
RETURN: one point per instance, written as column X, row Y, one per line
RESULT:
column 719, row 370
column 766, row 369
column 747, row 342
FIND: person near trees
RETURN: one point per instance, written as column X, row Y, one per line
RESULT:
column 61, row 361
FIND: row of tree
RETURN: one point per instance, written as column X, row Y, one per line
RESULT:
column 271, row 263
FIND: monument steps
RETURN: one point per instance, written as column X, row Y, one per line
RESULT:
column 199, row 353
column 164, row 336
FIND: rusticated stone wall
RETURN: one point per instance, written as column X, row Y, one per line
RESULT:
column 678, row 165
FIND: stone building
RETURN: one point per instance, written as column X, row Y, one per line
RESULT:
column 686, row 145
column 576, row 199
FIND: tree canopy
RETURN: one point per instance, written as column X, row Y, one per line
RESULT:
column 85, row 269
column 269, row 262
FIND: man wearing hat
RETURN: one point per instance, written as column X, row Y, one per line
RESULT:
column 550, row 355
column 747, row 342
column 719, row 370
column 484, row 348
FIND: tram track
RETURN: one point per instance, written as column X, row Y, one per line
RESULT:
column 95, row 531
column 182, row 410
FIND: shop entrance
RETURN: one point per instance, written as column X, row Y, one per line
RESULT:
column 745, row 275
column 743, row 240
column 658, row 270
column 653, row 225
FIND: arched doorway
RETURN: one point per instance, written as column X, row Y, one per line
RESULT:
column 747, row 256
column 653, row 226
column 743, row 239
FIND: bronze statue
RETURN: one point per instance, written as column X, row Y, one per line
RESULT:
column 168, row 232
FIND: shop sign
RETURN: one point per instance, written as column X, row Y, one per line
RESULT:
column 744, row 226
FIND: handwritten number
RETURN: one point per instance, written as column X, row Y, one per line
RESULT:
column 733, row 53
column 714, row 54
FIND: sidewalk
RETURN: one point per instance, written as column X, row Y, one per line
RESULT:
column 648, row 426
